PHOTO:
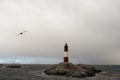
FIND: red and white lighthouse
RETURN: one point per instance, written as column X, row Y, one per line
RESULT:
column 66, row 53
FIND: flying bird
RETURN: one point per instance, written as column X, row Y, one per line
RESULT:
column 21, row 33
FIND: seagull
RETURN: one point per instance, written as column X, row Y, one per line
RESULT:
column 21, row 33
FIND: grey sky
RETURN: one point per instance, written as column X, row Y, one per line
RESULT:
column 91, row 28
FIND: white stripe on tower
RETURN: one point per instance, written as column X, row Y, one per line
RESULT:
column 66, row 53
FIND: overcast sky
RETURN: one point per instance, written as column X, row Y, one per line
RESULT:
column 90, row 27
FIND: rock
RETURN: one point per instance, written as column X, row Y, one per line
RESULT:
column 98, row 71
column 69, row 69
column 87, row 67
column 13, row 66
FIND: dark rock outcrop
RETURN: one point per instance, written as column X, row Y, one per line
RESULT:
column 13, row 66
column 69, row 69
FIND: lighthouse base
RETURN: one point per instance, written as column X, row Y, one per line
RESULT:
column 65, row 59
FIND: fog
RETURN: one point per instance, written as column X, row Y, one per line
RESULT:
column 90, row 27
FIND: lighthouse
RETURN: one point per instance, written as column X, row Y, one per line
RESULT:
column 65, row 53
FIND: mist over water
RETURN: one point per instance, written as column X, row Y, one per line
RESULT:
column 41, row 60
column 33, row 60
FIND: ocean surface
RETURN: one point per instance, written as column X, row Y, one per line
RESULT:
column 35, row 72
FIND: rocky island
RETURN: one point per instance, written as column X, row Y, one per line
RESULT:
column 71, row 70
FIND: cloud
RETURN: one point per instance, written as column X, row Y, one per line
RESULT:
column 90, row 27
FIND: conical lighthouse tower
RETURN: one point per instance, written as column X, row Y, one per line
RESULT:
column 66, row 53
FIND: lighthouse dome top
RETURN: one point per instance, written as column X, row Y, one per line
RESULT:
column 66, row 45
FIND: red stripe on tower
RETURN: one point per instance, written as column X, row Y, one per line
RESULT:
column 66, row 53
